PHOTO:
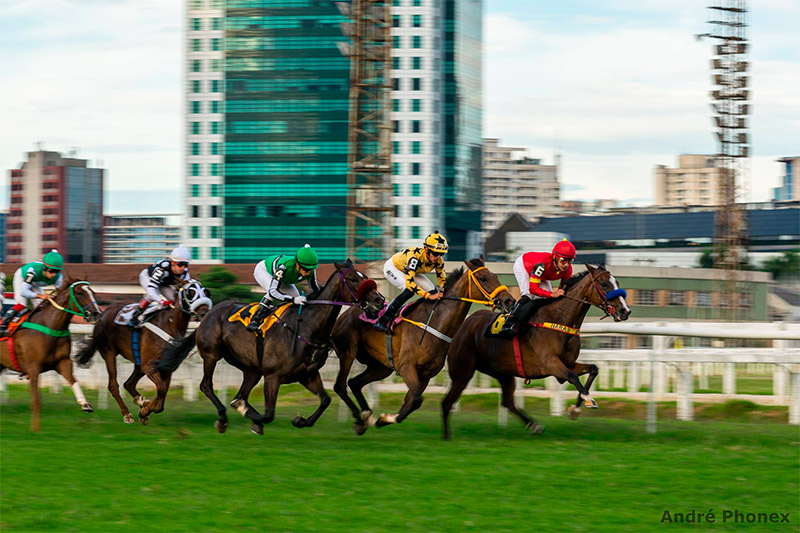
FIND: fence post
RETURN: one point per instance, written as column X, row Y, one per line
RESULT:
column 685, row 383
column 619, row 376
column 702, row 371
column 633, row 377
column 222, row 388
column 729, row 379
column 102, row 392
column 558, row 403
column 189, row 387
column 519, row 392
column 794, row 407
column 659, row 345
column 502, row 412
column 604, row 377
column 3, row 390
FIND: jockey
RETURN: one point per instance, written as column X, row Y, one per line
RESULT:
column 277, row 274
column 29, row 283
column 158, row 282
column 405, row 271
column 534, row 272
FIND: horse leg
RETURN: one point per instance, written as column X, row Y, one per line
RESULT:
column 241, row 404
column 346, row 357
column 207, row 387
column 374, row 372
column 508, row 384
column 411, row 402
column 459, row 379
column 64, row 368
column 313, row 383
column 130, row 386
column 36, row 401
column 557, row 369
column 579, row 369
column 271, row 385
column 162, row 386
column 110, row 357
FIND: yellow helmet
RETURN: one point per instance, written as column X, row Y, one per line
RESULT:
column 436, row 242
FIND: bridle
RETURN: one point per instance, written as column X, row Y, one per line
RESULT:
column 491, row 297
column 362, row 302
column 605, row 307
column 73, row 304
column 187, row 305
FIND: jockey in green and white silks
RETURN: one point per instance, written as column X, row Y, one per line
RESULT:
column 30, row 281
column 277, row 274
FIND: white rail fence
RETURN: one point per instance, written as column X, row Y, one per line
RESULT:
column 667, row 374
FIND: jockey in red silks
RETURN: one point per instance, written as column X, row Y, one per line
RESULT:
column 534, row 272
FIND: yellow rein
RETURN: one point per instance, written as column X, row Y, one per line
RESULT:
column 489, row 296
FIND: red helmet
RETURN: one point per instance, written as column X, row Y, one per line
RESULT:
column 564, row 249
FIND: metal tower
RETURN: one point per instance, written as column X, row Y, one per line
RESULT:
column 730, row 109
column 369, row 184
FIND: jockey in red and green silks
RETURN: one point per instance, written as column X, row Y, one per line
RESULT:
column 30, row 281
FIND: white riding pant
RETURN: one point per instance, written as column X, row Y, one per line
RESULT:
column 21, row 286
column 524, row 280
column 152, row 294
column 398, row 278
column 264, row 279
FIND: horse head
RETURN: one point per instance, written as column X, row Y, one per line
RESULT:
column 604, row 292
column 193, row 298
column 77, row 297
column 484, row 284
column 357, row 287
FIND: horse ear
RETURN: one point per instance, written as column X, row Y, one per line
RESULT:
column 348, row 261
column 601, row 266
column 589, row 267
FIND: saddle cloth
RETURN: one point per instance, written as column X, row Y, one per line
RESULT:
column 244, row 315
column 15, row 324
column 125, row 314
column 399, row 318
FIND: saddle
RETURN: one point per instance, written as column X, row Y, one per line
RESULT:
column 15, row 324
column 124, row 315
column 245, row 314
column 407, row 308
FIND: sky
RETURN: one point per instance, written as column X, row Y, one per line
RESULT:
column 616, row 87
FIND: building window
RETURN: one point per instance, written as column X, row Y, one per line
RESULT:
column 214, row 232
column 196, row 108
column 214, row 253
column 415, row 169
column 397, row 232
column 415, row 147
column 214, row 172
column 196, row 47
column 417, row 3
column 195, row 128
column 416, row 104
column 195, row 148
column 215, row 130
column 395, row 189
column 195, row 232
column 216, row 24
column 196, row 66
column 396, row 63
column 396, row 84
column 214, row 148
column 216, row 65
column 415, row 126
column 215, row 107
column 415, row 189
column 415, row 211
column 415, row 232
column 215, row 86
column 196, row 25
column 396, row 105
column 646, row 297
column 416, row 41
column 397, row 211
column 396, row 126
column 416, row 63
column 195, row 211
column 195, row 252
column 195, row 190
column 195, row 86
column 396, row 41
column 677, row 298
column 417, row 21
column 214, row 211
column 395, row 147
column 703, row 299
column 395, row 169
column 416, row 84
column 395, row 21
column 214, row 187
column 195, row 169
column 215, row 44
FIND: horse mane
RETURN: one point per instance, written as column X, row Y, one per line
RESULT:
column 571, row 282
column 314, row 296
column 452, row 278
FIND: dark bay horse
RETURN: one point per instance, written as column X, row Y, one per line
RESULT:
column 109, row 338
column 294, row 349
column 42, row 343
column 417, row 355
column 544, row 352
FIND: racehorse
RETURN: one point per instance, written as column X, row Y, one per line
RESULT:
column 143, row 346
column 548, row 346
column 42, row 341
column 293, row 350
column 418, row 344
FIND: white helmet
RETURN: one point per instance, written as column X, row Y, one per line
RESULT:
column 181, row 253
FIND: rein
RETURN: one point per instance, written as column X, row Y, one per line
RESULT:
column 72, row 301
column 609, row 310
column 490, row 296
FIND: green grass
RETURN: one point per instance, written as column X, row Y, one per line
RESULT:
column 94, row 473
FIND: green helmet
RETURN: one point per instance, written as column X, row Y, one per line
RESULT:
column 53, row 260
column 307, row 257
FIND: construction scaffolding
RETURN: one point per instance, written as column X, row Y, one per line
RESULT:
column 369, row 208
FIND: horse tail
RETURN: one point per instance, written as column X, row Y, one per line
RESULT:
column 87, row 349
column 174, row 354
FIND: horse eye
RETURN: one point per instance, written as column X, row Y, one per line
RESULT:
column 483, row 280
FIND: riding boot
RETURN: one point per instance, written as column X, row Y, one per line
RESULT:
column 257, row 318
column 519, row 315
column 391, row 311
column 11, row 314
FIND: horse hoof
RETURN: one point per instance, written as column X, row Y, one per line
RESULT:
column 360, row 428
column 573, row 412
column 368, row 418
column 257, row 429
column 128, row 418
column 385, row 420
column 534, row 428
column 590, row 403
column 87, row 408
column 299, row 422
column 221, row 426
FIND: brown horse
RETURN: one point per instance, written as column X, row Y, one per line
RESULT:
column 110, row 339
column 417, row 354
column 42, row 343
column 544, row 352
column 293, row 350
